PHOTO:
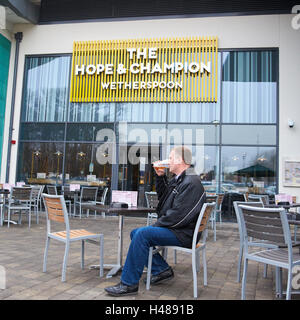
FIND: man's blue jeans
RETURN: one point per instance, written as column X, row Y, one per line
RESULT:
column 137, row 257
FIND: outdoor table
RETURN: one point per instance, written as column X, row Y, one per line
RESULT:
column 120, row 212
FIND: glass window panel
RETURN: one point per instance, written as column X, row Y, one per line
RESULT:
column 197, row 112
column 248, row 169
column 42, row 131
column 141, row 112
column 84, row 167
column 192, row 134
column 249, row 86
column 40, row 163
column 141, row 133
column 86, row 131
column 91, row 112
column 249, row 134
column 46, row 88
column 209, row 176
column 193, row 112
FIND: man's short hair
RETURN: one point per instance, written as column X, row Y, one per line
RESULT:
column 185, row 153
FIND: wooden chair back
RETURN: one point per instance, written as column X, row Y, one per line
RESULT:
column 54, row 208
column 205, row 218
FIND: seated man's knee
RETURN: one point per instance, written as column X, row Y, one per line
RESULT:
column 134, row 232
column 143, row 232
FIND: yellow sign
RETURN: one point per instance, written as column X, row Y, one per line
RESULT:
column 148, row 70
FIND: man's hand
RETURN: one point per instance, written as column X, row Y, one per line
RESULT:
column 159, row 171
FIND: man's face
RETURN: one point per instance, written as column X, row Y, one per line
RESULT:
column 174, row 162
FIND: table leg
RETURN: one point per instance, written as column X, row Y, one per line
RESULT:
column 118, row 266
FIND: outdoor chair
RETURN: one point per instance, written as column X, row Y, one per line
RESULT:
column 269, row 224
column 87, row 195
column 210, row 199
column 152, row 202
column 36, row 198
column 52, row 190
column 252, row 243
column 200, row 227
column 20, row 200
column 102, row 201
column 56, row 211
column 2, row 202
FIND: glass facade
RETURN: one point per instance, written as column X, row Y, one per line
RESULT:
column 75, row 138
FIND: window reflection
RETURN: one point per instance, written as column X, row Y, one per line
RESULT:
column 250, row 169
column 41, row 163
column 83, row 167
column 141, row 112
column 249, row 86
column 91, row 112
column 46, row 88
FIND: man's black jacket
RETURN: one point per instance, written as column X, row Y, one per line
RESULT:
column 180, row 202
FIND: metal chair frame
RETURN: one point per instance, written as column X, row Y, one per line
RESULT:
column 20, row 200
column 86, row 193
column 56, row 210
column 252, row 243
column 152, row 201
column 36, row 199
column 52, row 190
column 213, row 220
column 268, row 224
column 103, row 198
column 201, row 226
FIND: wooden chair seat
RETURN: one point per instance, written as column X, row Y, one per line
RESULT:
column 74, row 234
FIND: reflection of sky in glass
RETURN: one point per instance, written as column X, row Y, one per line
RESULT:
column 235, row 158
column 249, row 86
column 46, row 89
column 51, row 73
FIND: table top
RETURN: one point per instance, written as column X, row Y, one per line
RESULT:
column 108, row 209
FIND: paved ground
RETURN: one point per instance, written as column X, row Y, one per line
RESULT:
column 21, row 254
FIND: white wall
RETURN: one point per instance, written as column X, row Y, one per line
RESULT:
column 233, row 32
column 289, row 97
